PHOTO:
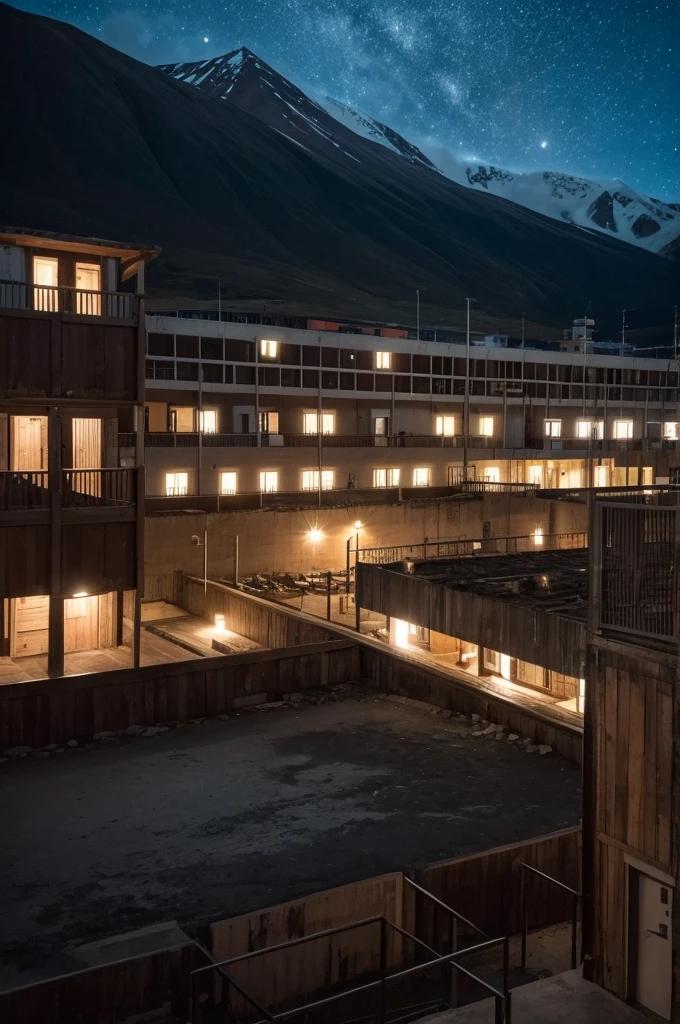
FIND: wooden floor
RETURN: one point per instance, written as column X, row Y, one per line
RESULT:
column 193, row 635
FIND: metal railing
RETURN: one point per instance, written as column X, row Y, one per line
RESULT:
column 640, row 494
column 97, row 487
column 633, row 569
column 502, row 999
column 474, row 546
column 24, row 491
column 494, row 487
column 41, row 298
column 575, row 901
column 189, row 439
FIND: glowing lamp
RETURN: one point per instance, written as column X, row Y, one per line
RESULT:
column 219, row 623
column 315, row 535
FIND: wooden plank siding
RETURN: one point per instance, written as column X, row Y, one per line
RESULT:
column 57, row 355
column 45, row 711
column 631, row 690
column 542, row 638
column 153, row 985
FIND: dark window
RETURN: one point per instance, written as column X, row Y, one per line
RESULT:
column 421, row 385
column 365, row 360
column 329, row 380
column 458, row 367
column 383, row 382
column 161, row 344
column 401, row 362
column 212, row 373
column 239, row 351
column 245, row 374
column 441, row 385
column 329, row 357
column 269, row 376
column 402, row 385
column 158, row 370
column 347, row 358
column 310, row 355
column 187, row 347
column 211, row 348
column 290, row 354
column 229, row 374
column 187, row 371
column 290, row 378
column 310, row 379
column 421, row 364
column 364, row 382
column 347, row 382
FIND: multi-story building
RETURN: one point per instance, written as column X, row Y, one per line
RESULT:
column 241, row 408
column 71, row 378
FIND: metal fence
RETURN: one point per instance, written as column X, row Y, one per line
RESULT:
column 633, row 569
column 536, row 541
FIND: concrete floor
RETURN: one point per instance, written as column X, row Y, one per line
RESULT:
column 566, row 998
column 212, row 820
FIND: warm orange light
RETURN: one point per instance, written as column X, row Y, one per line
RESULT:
column 315, row 535
column 357, row 525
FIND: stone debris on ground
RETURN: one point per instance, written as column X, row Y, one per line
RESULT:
column 474, row 726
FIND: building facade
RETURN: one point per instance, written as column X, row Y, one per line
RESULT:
column 237, row 409
column 71, row 377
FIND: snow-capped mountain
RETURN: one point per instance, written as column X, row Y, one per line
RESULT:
column 368, row 128
column 607, row 206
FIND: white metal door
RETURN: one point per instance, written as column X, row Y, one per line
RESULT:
column 654, row 946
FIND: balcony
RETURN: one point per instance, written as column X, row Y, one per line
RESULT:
column 182, row 439
column 61, row 342
column 104, row 489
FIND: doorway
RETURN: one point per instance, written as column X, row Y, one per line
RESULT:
column 87, row 454
column 28, row 443
column 650, row 949
column 89, row 285
column 45, row 284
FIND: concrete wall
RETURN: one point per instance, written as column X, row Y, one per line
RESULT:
column 271, row 540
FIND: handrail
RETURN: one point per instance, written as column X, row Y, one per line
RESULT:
column 70, row 299
column 445, row 906
column 575, row 895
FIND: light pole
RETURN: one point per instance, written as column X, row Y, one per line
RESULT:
column 417, row 314
column 523, row 315
column 466, row 394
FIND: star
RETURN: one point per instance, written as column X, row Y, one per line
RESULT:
column 544, row 145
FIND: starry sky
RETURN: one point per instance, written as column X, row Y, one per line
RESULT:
column 590, row 87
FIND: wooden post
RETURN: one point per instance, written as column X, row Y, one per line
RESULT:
column 590, row 778
column 329, row 578
column 55, row 652
column 139, row 555
column 118, row 636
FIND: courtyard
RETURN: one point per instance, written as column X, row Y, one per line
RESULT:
column 221, row 817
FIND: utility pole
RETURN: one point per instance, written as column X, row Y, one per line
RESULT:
column 466, row 394
column 417, row 314
column 675, row 332
column 623, row 331
column 523, row 315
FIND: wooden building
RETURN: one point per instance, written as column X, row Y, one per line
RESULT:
column 71, row 377
column 631, row 742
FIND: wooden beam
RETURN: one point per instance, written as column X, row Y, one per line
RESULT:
column 55, row 655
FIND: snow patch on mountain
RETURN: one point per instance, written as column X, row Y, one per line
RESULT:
column 369, row 128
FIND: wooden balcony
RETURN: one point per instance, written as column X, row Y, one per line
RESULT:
column 110, row 493
column 61, row 342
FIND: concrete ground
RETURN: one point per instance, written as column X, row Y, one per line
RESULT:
column 566, row 998
column 215, row 819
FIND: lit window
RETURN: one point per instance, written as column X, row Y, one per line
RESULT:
column 269, row 480
column 45, row 280
column 310, row 479
column 183, row 419
column 89, row 285
column 536, row 475
column 492, row 474
column 393, row 477
column 382, row 360
column 593, row 429
column 269, row 422
column 269, row 349
column 176, row 483
column 538, row 536
column 445, row 426
column 670, row 431
column 380, row 478
column 380, row 425
column 208, row 421
column 486, row 426
column 553, row 428
column 228, row 483
column 421, row 477
column 623, row 430
column 311, row 423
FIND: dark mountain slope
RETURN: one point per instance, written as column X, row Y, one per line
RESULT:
column 100, row 144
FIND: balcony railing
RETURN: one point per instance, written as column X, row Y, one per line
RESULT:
column 91, row 488
column 41, row 298
column 185, row 439
column 23, row 491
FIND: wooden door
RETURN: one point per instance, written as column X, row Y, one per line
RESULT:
column 28, row 442
column 87, row 454
column 29, row 634
column 81, row 624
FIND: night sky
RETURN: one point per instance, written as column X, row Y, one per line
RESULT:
column 590, row 87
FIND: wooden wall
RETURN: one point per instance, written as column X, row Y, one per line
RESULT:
column 543, row 638
column 269, row 624
column 48, row 354
column 631, row 700
column 25, row 560
column 300, row 973
column 123, row 991
column 45, row 711
column 98, row 557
